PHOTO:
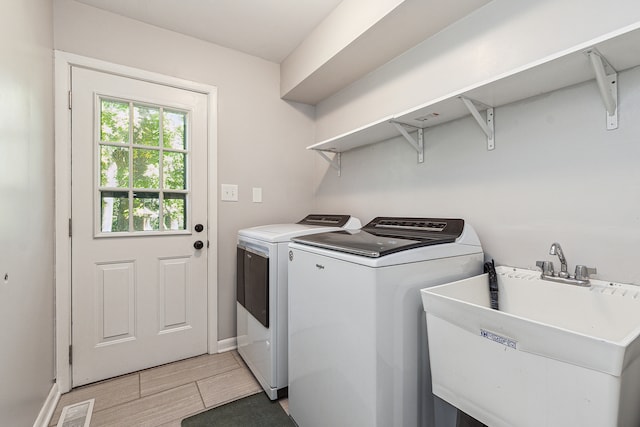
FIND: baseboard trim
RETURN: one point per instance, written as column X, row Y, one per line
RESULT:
column 227, row 344
column 48, row 408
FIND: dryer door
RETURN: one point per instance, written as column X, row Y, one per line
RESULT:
column 252, row 283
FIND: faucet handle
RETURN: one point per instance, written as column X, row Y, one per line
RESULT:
column 546, row 267
column 583, row 272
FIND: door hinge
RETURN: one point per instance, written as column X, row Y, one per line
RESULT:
column 70, row 355
column 69, row 100
column 70, row 233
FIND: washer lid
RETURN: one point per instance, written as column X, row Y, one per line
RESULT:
column 385, row 235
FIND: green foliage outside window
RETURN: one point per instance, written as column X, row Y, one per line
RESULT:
column 152, row 164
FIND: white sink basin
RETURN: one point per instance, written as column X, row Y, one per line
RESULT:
column 553, row 355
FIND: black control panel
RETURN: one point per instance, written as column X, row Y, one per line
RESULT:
column 416, row 228
column 325, row 220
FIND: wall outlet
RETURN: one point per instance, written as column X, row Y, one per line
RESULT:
column 229, row 192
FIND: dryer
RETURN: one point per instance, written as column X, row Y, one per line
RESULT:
column 358, row 352
column 261, row 294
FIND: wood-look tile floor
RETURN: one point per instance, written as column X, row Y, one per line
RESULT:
column 165, row 395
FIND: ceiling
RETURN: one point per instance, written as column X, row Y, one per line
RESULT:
column 322, row 46
column 269, row 29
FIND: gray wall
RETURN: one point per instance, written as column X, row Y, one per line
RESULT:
column 26, row 213
column 261, row 138
column 556, row 174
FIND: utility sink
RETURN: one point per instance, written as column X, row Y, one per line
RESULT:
column 553, row 354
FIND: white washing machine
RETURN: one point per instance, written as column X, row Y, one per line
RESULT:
column 261, row 291
column 358, row 352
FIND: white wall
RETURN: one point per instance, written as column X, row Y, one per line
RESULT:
column 556, row 175
column 26, row 213
column 261, row 138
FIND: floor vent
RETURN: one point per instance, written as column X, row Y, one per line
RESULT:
column 76, row 415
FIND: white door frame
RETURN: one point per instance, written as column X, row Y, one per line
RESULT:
column 63, row 63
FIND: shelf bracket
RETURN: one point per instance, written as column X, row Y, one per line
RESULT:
column 487, row 125
column 334, row 163
column 417, row 144
column 607, row 79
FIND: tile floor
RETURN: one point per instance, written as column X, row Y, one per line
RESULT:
column 164, row 395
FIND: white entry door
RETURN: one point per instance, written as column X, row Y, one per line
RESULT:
column 139, row 225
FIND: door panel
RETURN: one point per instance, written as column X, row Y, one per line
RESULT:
column 139, row 184
column 115, row 306
column 174, row 295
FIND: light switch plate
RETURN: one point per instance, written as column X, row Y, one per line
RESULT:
column 229, row 192
column 257, row 195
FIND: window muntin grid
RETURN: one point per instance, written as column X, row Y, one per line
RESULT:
column 143, row 160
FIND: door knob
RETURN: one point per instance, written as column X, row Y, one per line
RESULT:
column 198, row 244
column 199, row 227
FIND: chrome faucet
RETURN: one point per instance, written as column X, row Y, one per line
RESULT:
column 557, row 250
column 581, row 277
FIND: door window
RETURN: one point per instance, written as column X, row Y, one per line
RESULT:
column 143, row 168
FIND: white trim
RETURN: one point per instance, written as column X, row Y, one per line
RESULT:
column 62, row 215
column 63, row 63
column 48, row 407
column 227, row 344
column 212, row 226
column 136, row 73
